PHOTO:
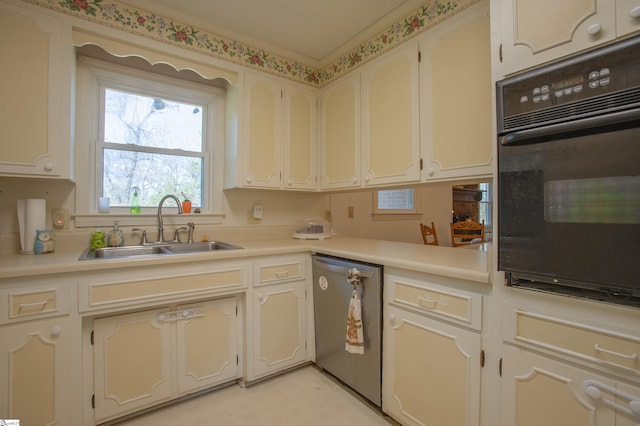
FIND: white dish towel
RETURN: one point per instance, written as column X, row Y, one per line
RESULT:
column 355, row 334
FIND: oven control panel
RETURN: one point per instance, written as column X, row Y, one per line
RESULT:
column 585, row 83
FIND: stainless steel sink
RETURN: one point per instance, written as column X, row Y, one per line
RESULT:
column 198, row 247
column 155, row 250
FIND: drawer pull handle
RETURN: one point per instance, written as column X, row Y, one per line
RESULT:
column 34, row 304
column 179, row 315
column 282, row 274
column 599, row 348
column 427, row 303
column 594, row 390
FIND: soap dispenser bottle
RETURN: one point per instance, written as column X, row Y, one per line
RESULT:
column 115, row 237
column 135, row 201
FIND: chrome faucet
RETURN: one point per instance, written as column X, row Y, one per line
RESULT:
column 160, row 222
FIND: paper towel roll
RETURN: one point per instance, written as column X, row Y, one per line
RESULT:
column 31, row 216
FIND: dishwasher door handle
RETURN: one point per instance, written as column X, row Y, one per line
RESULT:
column 343, row 270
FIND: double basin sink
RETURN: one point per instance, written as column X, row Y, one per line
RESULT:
column 160, row 249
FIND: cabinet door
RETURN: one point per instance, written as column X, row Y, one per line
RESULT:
column 390, row 118
column 627, row 16
column 34, row 358
column 540, row 391
column 279, row 326
column 261, row 155
column 538, row 31
column 431, row 371
column 631, row 414
column 299, row 138
column 457, row 111
column 36, row 86
column 340, row 134
column 206, row 344
column 132, row 363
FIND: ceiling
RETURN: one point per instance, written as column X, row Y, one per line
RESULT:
column 312, row 31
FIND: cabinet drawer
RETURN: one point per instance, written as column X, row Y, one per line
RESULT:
column 36, row 303
column 94, row 295
column 575, row 339
column 451, row 303
column 280, row 270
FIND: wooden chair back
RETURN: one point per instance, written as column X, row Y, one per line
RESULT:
column 429, row 236
column 466, row 232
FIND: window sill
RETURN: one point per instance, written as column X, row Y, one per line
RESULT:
column 396, row 216
column 170, row 219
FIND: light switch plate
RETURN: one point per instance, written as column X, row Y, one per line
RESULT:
column 257, row 211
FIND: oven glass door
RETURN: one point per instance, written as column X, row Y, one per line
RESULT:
column 569, row 210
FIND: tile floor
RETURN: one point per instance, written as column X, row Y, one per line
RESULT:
column 304, row 396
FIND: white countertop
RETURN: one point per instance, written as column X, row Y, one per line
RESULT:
column 472, row 265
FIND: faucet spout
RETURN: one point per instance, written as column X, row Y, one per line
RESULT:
column 160, row 220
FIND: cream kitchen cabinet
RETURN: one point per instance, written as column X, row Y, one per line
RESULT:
column 370, row 124
column 538, row 390
column 432, row 350
column 277, row 146
column 456, row 98
column 35, row 350
column 390, row 118
column 279, row 315
column 340, row 134
column 535, row 32
column 145, row 358
column 34, row 358
column 35, row 118
column 557, row 369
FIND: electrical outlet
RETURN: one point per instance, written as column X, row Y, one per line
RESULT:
column 251, row 219
column 350, row 212
column 60, row 218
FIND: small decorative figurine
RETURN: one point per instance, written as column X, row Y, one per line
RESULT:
column 45, row 242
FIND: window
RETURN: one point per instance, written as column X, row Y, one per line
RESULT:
column 485, row 205
column 147, row 133
column 150, row 146
column 392, row 203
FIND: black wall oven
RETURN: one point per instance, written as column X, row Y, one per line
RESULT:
column 569, row 176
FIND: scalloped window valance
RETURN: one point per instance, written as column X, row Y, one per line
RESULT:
column 124, row 50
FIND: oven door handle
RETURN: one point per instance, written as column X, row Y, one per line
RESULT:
column 534, row 135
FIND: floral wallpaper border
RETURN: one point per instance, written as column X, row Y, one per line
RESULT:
column 121, row 16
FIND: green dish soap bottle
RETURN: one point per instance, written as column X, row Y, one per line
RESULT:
column 135, row 201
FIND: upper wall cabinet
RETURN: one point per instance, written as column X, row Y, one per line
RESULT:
column 370, row 124
column 538, row 31
column 35, row 118
column 390, row 118
column 340, row 134
column 277, row 139
column 456, row 103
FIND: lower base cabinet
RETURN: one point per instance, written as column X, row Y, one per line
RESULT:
column 431, row 372
column 34, row 358
column 145, row 358
column 279, row 327
column 537, row 390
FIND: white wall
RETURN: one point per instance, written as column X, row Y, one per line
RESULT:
column 281, row 208
column 434, row 204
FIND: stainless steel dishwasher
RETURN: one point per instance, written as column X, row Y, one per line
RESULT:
column 332, row 293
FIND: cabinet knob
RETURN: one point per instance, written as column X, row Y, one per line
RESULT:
column 635, row 12
column 248, row 179
column 48, row 167
column 354, row 179
column 261, row 298
column 430, row 172
column 594, row 29
column 392, row 319
column 289, row 182
column 56, row 330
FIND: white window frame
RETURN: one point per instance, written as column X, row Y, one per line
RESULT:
column 396, row 214
column 92, row 76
